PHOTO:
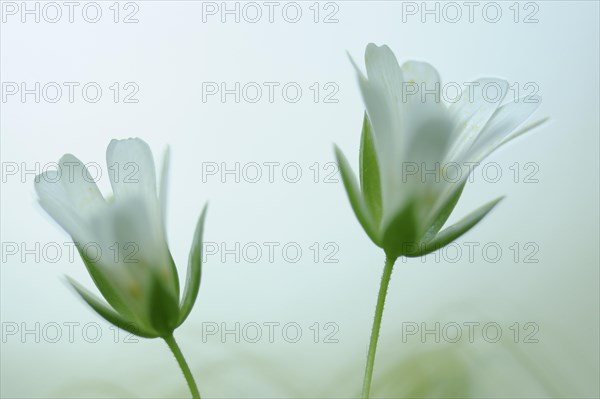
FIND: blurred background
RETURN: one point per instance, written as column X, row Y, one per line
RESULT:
column 290, row 279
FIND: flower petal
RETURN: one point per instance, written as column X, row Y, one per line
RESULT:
column 382, row 94
column 423, row 107
column 421, row 72
column 135, row 255
column 472, row 111
column 427, row 79
column 132, row 221
column 422, row 176
column 162, row 198
column 383, row 70
column 80, row 186
column 132, row 167
column 524, row 130
column 504, row 121
column 163, row 185
column 61, row 213
column 70, row 195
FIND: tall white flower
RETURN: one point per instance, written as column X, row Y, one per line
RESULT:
column 416, row 152
column 410, row 139
column 122, row 239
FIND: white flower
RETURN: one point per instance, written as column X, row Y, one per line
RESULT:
column 122, row 240
column 412, row 141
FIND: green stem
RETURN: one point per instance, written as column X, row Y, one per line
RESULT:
column 170, row 340
column 385, row 282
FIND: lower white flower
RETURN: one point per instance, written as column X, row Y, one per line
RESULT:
column 122, row 240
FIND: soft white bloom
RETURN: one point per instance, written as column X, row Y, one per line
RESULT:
column 121, row 239
column 413, row 142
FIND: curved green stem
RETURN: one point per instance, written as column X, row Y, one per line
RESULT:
column 170, row 340
column 385, row 282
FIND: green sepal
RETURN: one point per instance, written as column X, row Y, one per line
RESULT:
column 370, row 180
column 194, row 272
column 355, row 196
column 175, row 274
column 401, row 232
column 444, row 213
column 164, row 308
column 109, row 314
column 453, row 232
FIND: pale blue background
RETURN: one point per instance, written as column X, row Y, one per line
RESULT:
column 169, row 53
